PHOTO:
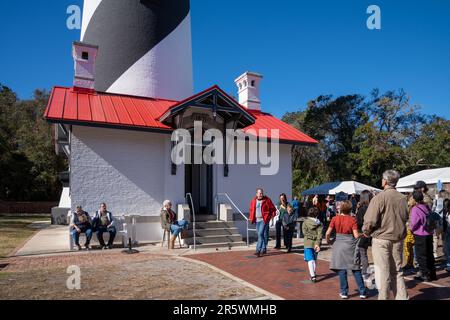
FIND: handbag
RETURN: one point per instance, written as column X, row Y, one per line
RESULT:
column 184, row 234
column 364, row 242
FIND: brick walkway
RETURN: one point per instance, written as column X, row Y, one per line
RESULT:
column 287, row 276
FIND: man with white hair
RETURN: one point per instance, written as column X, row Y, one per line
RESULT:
column 169, row 222
column 385, row 221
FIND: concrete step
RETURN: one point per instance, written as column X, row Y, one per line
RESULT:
column 214, row 239
column 213, row 232
column 220, row 245
column 205, row 217
column 213, row 225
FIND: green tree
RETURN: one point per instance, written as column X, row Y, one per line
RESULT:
column 29, row 167
column 431, row 148
column 359, row 138
column 394, row 124
column 333, row 122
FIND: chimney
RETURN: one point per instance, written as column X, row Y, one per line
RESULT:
column 248, row 90
column 84, row 56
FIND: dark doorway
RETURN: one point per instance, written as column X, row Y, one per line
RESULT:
column 199, row 183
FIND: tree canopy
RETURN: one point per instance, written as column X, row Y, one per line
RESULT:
column 29, row 167
column 361, row 137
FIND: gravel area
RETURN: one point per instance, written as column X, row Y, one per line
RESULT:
column 150, row 276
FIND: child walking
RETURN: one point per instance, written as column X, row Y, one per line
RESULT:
column 312, row 230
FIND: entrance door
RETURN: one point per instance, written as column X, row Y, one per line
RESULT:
column 199, row 182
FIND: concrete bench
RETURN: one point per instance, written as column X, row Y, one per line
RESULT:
column 121, row 236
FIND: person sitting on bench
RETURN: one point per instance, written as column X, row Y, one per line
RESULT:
column 104, row 222
column 170, row 222
column 81, row 223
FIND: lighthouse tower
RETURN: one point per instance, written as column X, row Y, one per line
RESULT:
column 144, row 46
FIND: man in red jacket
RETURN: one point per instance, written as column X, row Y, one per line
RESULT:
column 261, row 211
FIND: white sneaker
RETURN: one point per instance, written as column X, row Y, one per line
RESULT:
column 343, row 296
column 363, row 296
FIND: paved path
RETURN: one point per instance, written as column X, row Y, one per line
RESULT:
column 52, row 239
column 287, row 276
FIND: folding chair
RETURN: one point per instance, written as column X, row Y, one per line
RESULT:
column 166, row 232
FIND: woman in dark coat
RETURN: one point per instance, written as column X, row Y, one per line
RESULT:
column 281, row 211
column 363, row 243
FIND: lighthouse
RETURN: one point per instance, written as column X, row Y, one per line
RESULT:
column 144, row 46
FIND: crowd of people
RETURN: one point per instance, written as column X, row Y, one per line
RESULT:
column 396, row 226
column 399, row 228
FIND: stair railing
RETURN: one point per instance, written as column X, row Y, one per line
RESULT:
column 216, row 199
column 189, row 195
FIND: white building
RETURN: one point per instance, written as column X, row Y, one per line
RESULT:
column 117, row 135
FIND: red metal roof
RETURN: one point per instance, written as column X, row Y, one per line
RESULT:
column 78, row 107
column 286, row 132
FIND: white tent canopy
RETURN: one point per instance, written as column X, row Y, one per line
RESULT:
column 430, row 177
column 348, row 187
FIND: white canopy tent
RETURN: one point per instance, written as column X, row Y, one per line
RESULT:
column 430, row 177
column 332, row 188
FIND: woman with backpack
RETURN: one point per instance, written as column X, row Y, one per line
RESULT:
column 421, row 227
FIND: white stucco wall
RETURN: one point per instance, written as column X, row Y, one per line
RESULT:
column 131, row 172
column 128, row 170
column 243, row 180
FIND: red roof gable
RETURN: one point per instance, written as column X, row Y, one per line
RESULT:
column 77, row 107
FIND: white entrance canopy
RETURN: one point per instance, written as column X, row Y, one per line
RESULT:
column 332, row 188
column 430, row 177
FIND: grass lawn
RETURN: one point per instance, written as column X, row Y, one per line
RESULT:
column 14, row 230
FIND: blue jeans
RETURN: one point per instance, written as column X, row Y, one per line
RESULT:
column 76, row 236
column 278, row 229
column 263, row 236
column 344, row 283
column 112, row 235
column 175, row 229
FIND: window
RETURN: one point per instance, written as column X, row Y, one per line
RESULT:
column 253, row 83
column 85, row 55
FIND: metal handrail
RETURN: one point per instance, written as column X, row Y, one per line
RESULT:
column 193, row 218
column 216, row 198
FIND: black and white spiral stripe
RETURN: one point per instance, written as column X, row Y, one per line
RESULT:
column 144, row 46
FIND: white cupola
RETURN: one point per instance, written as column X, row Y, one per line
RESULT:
column 248, row 90
column 84, row 56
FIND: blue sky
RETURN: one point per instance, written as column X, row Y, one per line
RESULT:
column 303, row 48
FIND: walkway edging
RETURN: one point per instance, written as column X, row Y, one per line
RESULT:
column 229, row 275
